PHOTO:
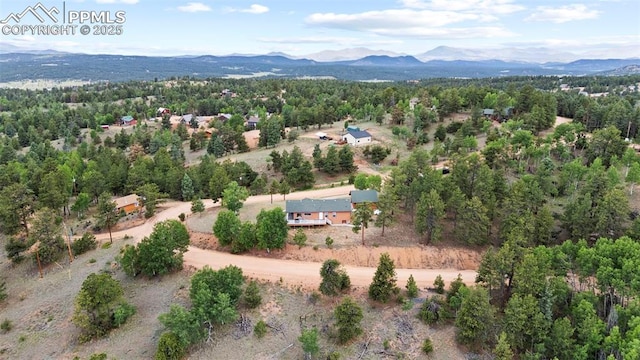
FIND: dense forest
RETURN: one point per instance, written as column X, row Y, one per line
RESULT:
column 554, row 206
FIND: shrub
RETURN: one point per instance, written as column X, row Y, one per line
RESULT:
column 432, row 311
column 329, row 242
column 101, row 356
column 334, row 355
column 6, row 325
column 122, row 313
column 260, row 330
column 3, row 291
column 439, row 284
column 252, row 295
column 85, row 243
column 197, row 206
column 15, row 248
column 169, row 347
column 106, row 245
column 412, row 288
column 300, row 238
column 427, row 346
column 182, row 216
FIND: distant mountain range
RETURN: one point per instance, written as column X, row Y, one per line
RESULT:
column 439, row 62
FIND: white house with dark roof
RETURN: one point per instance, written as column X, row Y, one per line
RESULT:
column 355, row 138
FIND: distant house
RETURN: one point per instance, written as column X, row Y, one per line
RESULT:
column 363, row 196
column 104, row 127
column 128, row 203
column 186, row 119
column 253, row 121
column 227, row 93
column 309, row 212
column 351, row 128
column 507, row 113
column 488, row 113
column 223, row 117
column 163, row 111
column 355, row 138
column 127, row 120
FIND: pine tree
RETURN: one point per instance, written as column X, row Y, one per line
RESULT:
column 348, row 317
column 187, row 188
column 384, row 280
column 412, row 287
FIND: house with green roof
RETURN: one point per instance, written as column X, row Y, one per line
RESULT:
column 310, row 212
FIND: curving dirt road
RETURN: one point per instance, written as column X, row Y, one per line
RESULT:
column 290, row 272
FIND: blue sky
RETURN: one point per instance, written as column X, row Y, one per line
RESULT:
column 593, row 28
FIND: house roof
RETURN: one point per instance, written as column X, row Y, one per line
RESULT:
column 187, row 117
column 317, row 205
column 352, row 128
column 359, row 134
column 126, row 200
column 127, row 118
column 360, row 196
column 487, row 112
column 253, row 119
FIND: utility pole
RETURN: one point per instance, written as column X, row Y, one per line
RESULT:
column 68, row 231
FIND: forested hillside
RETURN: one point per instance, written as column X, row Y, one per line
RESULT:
column 554, row 205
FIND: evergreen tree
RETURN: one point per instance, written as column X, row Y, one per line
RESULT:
column 197, row 206
column 346, row 159
column 331, row 162
column 187, row 188
column 252, row 296
column 348, row 317
column 334, row 278
column 474, row 318
column 429, row 216
column 412, row 288
column 384, row 280
column 361, row 218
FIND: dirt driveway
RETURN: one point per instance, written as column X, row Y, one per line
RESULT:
column 296, row 273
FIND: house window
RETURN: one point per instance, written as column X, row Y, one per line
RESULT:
column 334, row 214
column 307, row 214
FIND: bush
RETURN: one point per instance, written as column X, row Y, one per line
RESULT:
column 260, row 330
column 334, row 355
column 122, row 313
column 439, row 284
column 300, row 238
column 6, row 325
column 412, row 288
column 169, row 347
column 453, row 127
column 85, row 243
column 197, row 206
column 101, row 356
column 427, row 346
column 15, row 248
column 182, row 216
column 3, row 291
column 106, row 245
column 252, row 295
column 329, row 242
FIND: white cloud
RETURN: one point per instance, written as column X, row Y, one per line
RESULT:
column 563, row 14
column 253, row 9
column 397, row 18
column 478, row 6
column 130, row 2
column 194, row 7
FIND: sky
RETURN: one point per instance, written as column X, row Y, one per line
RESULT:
column 591, row 28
